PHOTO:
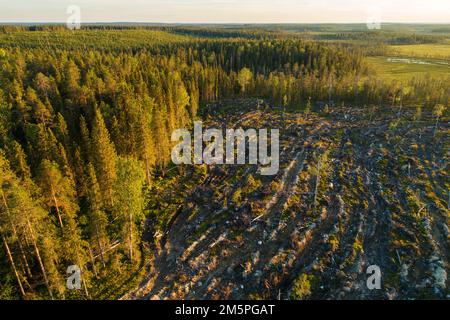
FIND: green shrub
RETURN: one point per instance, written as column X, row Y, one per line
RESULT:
column 237, row 197
column 302, row 287
column 252, row 184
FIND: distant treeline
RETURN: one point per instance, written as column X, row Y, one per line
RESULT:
column 442, row 30
column 204, row 32
column 383, row 37
column 248, row 33
column 94, row 26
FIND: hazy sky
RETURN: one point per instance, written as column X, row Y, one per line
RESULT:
column 233, row 11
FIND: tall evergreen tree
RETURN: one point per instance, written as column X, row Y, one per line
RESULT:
column 58, row 193
column 97, row 217
column 104, row 158
column 23, row 218
column 130, row 203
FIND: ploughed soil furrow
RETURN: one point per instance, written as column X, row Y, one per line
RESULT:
column 251, row 243
column 354, row 190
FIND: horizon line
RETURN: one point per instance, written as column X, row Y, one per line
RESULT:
column 221, row 23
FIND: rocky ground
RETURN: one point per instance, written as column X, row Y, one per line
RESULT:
column 357, row 187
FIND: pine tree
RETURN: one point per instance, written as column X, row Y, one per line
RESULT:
column 7, row 227
column 104, row 155
column 19, row 161
column 193, row 100
column 146, row 146
column 71, row 79
column 62, row 131
column 64, row 163
column 182, row 102
column 98, row 219
column 42, row 143
column 130, row 203
column 5, row 125
column 438, row 111
column 58, row 193
column 161, row 138
column 27, row 222
column 245, row 77
column 308, row 107
column 41, row 113
column 85, row 139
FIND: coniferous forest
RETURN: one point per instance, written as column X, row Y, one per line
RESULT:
column 86, row 118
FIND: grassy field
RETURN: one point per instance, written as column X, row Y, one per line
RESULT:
column 434, row 51
column 404, row 70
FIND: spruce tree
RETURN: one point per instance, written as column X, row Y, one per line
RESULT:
column 104, row 156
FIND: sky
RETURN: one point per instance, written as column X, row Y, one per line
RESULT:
column 229, row 11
